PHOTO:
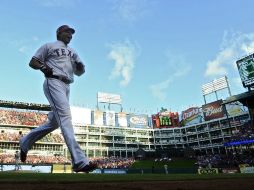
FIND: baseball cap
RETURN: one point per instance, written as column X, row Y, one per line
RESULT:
column 64, row 28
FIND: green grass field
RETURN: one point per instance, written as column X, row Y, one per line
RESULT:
column 40, row 177
column 175, row 163
column 121, row 181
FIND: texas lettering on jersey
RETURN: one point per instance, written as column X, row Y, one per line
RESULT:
column 64, row 52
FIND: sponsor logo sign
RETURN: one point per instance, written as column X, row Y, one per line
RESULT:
column 189, row 113
column 234, row 109
column 213, row 110
column 247, row 170
column 122, row 119
column 98, row 117
column 27, row 167
column 140, row 121
column 80, row 116
column 165, row 119
column 208, row 171
column 191, row 116
column 109, row 98
column 110, row 118
column 62, row 168
column 230, row 171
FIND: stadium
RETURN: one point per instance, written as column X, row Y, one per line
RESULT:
column 212, row 143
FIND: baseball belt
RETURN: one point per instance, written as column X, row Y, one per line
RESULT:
column 63, row 79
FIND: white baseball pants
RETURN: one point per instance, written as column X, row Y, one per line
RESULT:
column 57, row 93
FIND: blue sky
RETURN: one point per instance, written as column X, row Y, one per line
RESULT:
column 154, row 53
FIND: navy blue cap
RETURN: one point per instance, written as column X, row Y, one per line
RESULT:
column 64, row 28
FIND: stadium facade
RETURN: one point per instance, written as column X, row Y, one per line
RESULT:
column 107, row 133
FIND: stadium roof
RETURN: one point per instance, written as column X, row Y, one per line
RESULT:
column 23, row 105
column 246, row 98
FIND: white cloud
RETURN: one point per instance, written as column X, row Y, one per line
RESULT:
column 124, row 55
column 22, row 49
column 58, row 3
column 159, row 90
column 216, row 66
column 35, row 38
column 130, row 10
column 234, row 46
column 24, row 46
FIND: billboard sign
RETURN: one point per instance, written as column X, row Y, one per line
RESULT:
column 165, row 119
column 213, row 110
column 80, row 116
column 235, row 109
column 191, row 116
column 138, row 121
column 110, row 118
column 98, row 117
column 122, row 119
column 109, row 98
column 247, row 170
column 246, row 70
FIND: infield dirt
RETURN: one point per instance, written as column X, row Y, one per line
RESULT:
column 214, row 184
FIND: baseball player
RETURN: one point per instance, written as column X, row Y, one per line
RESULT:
column 58, row 62
column 17, row 158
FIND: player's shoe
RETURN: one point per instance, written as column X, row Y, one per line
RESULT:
column 23, row 155
column 88, row 168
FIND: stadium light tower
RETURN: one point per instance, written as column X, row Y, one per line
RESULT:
column 214, row 86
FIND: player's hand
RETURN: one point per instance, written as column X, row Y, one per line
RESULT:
column 48, row 72
column 80, row 66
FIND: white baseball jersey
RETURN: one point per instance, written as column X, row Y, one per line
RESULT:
column 60, row 57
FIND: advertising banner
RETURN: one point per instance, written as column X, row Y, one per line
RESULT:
column 165, row 119
column 62, row 168
column 81, row 116
column 213, row 110
column 230, row 170
column 27, row 168
column 109, row 171
column 98, row 117
column 160, row 121
column 110, row 118
column 109, row 98
column 138, row 121
column 235, row 109
column 122, row 119
column 208, row 171
column 247, row 170
column 191, row 116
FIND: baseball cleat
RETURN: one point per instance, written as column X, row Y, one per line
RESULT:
column 88, row 168
column 23, row 155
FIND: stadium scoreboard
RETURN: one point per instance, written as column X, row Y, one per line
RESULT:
column 165, row 120
column 246, row 70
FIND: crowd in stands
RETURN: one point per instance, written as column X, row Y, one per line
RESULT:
column 35, row 159
column 10, row 136
column 22, row 118
column 225, row 161
column 244, row 132
column 24, row 105
column 113, row 162
column 15, row 137
column 103, row 162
